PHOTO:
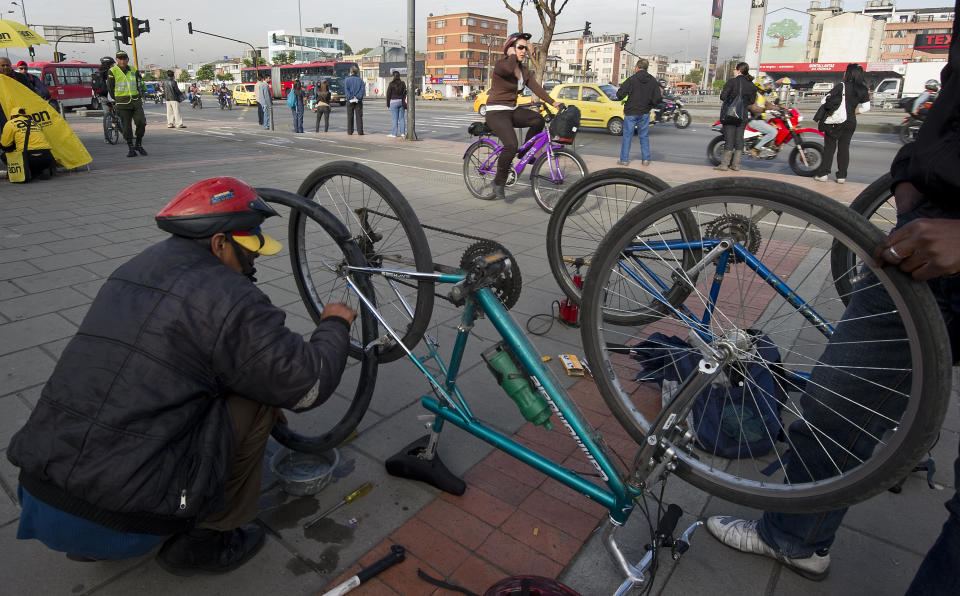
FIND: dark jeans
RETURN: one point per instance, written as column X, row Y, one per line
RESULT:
column 502, row 122
column 800, row 535
column 259, row 114
column 355, row 110
column 323, row 112
column 836, row 137
column 733, row 136
column 132, row 113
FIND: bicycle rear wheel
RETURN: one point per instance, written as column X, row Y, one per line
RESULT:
column 861, row 392
column 389, row 235
column 876, row 203
column 584, row 215
column 567, row 168
column 478, row 183
column 320, row 429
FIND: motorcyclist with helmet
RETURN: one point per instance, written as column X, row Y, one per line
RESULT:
column 223, row 94
column 153, row 425
column 509, row 78
column 759, row 123
column 930, row 90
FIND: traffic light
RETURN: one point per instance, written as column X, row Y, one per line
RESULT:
column 623, row 44
column 190, row 27
column 589, row 64
column 586, row 30
column 121, row 30
column 33, row 53
column 59, row 57
column 140, row 27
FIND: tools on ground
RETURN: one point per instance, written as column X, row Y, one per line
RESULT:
column 397, row 555
column 364, row 489
column 568, row 312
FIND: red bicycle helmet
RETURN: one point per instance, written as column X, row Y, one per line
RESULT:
column 514, row 38
column 216, row 205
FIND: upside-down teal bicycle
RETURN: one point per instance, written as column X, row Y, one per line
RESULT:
column 721, row 263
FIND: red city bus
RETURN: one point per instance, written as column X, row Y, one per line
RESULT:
column 70, row 83
column 288, row 73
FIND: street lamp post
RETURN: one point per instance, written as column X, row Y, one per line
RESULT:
column 23, row 9
column 653, row 13
column 173, row 46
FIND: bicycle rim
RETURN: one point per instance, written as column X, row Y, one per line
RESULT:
column 875, row 203
column 479, row 184
column 884, row 380
column 550, row 181
column 389, row 235
column 585, row 214
column 320, row 429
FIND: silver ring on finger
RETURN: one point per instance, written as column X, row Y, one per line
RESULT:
column 895, row 254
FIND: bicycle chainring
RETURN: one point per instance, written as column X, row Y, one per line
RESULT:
column 738, row 227
column 507, row 286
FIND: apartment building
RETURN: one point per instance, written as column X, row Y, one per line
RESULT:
column 461, row 48
column 317, row 43
column 919, row 35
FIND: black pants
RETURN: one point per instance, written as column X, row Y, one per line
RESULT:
column 39, row 162
column 132, row 113
column 502, row 122
column 259, row 114
column 733, row 136
column 324, row 112
column 836, row 137
column 355, row 109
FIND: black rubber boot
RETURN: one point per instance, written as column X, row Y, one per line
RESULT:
column 210, row 551
column 131, row 152
column 139, row 147
column 498, row 192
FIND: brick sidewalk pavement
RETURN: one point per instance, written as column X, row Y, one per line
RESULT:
column 61, row 238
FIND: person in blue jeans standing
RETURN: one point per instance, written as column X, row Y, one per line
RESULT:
column 642, row 94
column 297, row 108
column 397, row 102
column 926, row 244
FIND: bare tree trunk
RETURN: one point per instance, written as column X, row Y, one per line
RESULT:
column 518, row 12
column 548, row 12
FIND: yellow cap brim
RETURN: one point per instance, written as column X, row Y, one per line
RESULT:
column 252, row 243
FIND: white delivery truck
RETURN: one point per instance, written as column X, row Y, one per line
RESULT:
column 889, row 91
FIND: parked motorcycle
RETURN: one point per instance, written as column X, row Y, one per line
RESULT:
column 805, row 157
column 671, row 110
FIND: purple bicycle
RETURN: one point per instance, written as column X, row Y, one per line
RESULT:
column 555, row 167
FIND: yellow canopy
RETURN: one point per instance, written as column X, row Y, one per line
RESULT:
column 15, row 35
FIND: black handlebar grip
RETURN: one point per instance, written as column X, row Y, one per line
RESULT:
column 397, row 554
column 669, row 521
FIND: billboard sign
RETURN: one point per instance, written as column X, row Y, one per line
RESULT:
column 68, row 33
column 933, row 42
column 716, row 27
column 804, row 67
column 785, row 36
column 717, row 10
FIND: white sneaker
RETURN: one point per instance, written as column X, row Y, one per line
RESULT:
column 392, row 136
column 820, row 178
column 742, row 535
column 841, row 180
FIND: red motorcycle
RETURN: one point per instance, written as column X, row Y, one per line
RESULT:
column 805, row 157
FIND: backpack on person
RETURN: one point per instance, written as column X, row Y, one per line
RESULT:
column 291, row 99
column 100, row 82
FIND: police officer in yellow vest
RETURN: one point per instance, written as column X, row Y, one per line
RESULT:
column 127, row 89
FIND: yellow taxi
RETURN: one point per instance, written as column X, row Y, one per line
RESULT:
column 598, row 104
column 243, row 94
column 480, row 103
column 431, row 94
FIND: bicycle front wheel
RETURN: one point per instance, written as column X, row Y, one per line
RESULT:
column 815, row 406
column 584, row 215
column 551, row 180
column 321, row 429
column 877, row 204
column 111, row 130
column 480, row 183
column 389, row 235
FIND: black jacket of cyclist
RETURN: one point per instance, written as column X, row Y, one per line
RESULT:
column 509, row 78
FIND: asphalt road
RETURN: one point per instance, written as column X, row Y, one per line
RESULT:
column 871, row 153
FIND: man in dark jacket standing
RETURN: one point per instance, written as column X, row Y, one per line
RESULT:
column 172, row 98
column 155, row 420
column 733, row 128
column 642, row 92
column 355, row 90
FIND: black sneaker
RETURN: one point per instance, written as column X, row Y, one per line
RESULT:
column 141, row 149
column 210, row 551
column 498, row 192
column 131, row 152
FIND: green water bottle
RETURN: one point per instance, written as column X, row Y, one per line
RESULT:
column 532, row 405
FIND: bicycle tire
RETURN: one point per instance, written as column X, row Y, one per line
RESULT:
column 352, row 406
column 545, row 191
column 875, row 203
column 479, row 185
column 389, row 235
column 902, row 442
column 575, row 229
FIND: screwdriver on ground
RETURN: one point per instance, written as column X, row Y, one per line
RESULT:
column 365, row 488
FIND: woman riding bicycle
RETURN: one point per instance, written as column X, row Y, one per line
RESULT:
column 509, row 78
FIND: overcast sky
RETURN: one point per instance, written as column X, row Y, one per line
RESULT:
column 363, row 22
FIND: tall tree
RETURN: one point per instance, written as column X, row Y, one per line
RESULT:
column 347, row 49
column 547, row 12
column 260, row 61
column 206, row 72
column 517, row 11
